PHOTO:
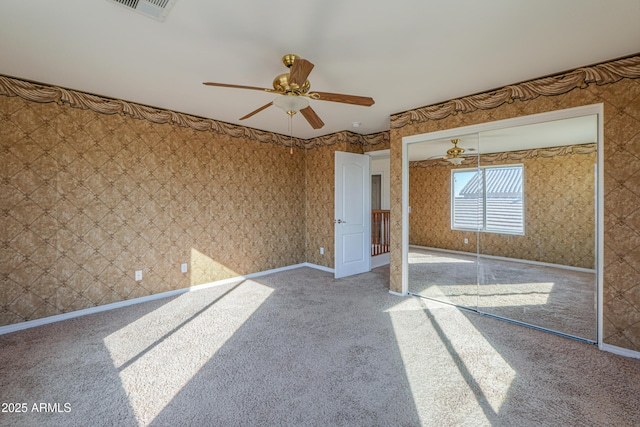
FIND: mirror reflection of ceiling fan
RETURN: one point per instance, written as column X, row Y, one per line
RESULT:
column 455, row 154
column 293, row 88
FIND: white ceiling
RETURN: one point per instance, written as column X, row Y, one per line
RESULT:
column 403, row 53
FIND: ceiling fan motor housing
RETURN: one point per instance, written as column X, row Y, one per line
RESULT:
column 281, row 84
column 455, row 151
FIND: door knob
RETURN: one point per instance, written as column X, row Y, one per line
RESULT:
column 339, row 221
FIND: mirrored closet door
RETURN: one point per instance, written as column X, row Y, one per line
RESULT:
column 443, row 262
column 507, row 227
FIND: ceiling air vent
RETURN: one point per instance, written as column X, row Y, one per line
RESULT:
column 155, row 9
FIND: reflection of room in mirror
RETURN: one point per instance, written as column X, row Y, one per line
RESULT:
column 523, row 193
column 550, row 297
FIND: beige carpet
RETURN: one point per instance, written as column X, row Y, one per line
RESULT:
column 554, row 298
column 299, row 348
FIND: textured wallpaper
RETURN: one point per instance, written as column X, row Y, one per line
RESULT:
column 621, row 98
column 559, row 203
column 319, row 183
column 89, row 198
column 94, row 189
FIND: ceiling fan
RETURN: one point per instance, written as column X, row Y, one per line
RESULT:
column 454, row 155
column 294, row 90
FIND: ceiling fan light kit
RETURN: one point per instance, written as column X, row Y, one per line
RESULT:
column 294, row 90
column 454, row 153
column 291, row 104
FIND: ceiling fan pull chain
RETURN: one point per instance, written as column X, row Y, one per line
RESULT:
column 291, row 133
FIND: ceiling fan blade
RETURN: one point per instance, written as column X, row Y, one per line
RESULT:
column 300, row 71
column 364, row 101
column 257, row 111
column 311, row 116
column 237, row 86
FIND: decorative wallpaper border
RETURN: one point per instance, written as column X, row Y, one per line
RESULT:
column 349, row 137
column 513, row 155
column 600, row 74
column 10, row 86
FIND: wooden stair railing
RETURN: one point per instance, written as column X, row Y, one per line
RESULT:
column 379, row 232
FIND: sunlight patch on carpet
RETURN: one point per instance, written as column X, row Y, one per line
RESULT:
column 496, row 295
column 464, row 373
column 486, row 366
column 154, row 369
column 515, row 294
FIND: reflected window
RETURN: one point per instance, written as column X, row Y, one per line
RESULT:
column 489, row 198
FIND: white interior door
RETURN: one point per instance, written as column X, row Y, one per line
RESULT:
column 352, row 214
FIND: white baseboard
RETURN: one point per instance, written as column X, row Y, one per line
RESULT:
column 620, row 351
column 380, row 260
column 397, row 294
column 317, row 267
column 84, row 312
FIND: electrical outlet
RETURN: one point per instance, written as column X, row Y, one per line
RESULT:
column 466, row 241
column 138, row 275
column 321, row 251
column 183, row 267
